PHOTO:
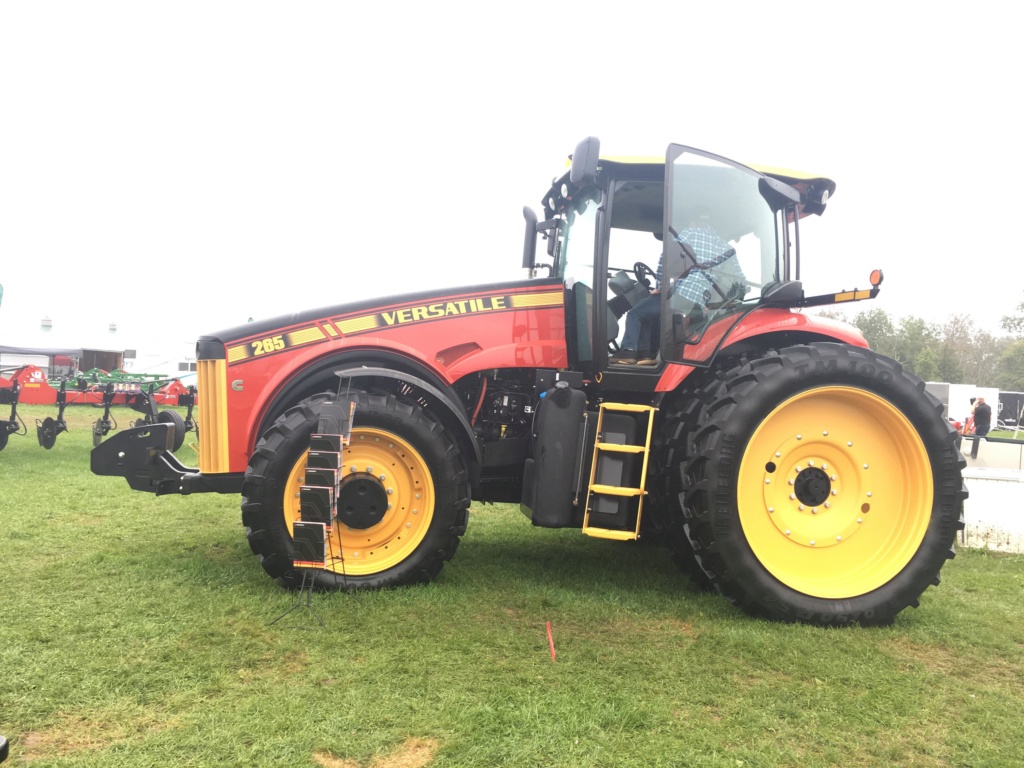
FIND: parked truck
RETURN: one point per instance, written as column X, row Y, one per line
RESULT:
column 786, row 465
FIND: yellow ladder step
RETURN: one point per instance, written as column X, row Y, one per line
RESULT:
column 619, row 448
column 628, row 407
column 617, row 490
column 604, row 533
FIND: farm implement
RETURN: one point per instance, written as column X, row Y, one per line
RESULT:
column 28, row 385
column 145, row 402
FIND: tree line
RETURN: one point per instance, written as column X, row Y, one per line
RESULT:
column 954, row 352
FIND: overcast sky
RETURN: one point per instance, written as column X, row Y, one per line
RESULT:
column 185, row 166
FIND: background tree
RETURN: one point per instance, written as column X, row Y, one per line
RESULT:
column 914, row 338
column 927, row 364
column 956, row 352
column 1014, row 324
column 1010, row 372
column 957, row 362
column 878, row 329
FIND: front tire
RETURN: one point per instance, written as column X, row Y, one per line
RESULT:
column 405, row 493
column 823, row 486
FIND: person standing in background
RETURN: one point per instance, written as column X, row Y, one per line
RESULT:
column 982, row 415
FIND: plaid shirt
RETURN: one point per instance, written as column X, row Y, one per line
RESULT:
column 711, row 250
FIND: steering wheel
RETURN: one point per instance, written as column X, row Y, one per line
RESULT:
column 643, row 272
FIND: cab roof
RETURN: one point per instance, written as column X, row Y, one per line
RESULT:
column 810, row 186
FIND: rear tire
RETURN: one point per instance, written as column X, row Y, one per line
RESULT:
column 823, row 486
column 672, row 443
column 425, row 491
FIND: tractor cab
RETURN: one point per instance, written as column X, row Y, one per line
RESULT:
column 712, row 239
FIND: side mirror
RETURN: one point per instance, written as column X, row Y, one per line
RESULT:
column 786, row 293
column 584, row 162
column 530, row 238
column 777, row 193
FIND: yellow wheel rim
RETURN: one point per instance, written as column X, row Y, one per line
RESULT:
column 402, row 477
column 835, row 492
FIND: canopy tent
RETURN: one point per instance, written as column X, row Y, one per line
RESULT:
column 107, row 360
column 42, row 351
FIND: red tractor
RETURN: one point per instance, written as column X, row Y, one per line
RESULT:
column 803, row 476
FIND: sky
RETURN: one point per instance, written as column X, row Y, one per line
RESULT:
column 177, row 168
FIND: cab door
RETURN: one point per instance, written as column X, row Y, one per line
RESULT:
column 721, row 247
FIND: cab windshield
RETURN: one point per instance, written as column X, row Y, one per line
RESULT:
column 574, row 262
column 575, row 248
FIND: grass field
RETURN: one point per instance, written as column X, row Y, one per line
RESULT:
column 135, row 631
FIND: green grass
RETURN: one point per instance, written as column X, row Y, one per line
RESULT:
column 1008, row 434
column 135, row 631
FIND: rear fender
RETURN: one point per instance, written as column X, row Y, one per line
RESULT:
column 770, row 329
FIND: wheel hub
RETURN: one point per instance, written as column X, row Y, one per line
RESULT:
column 812, row 486
column 362, row 501
column 804, row 490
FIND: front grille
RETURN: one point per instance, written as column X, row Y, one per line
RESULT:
column 213, row 415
